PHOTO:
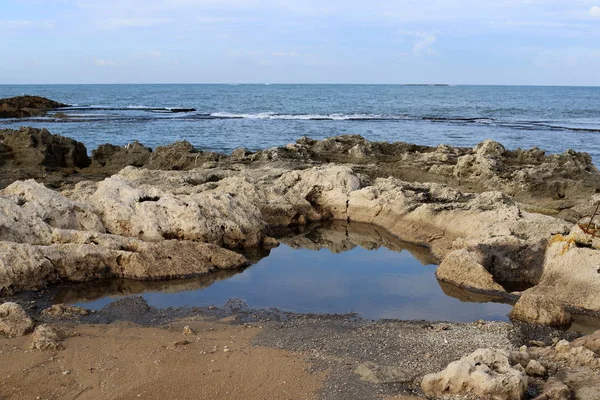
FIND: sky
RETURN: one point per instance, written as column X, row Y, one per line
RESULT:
column 507, row 42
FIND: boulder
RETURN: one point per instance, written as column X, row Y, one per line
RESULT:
column 535, row 368
column 486, row 373
column 14, row 321
column 591, row 342
column 39, row 150
column 181, row 155
column 461, row 268
column 570, row 272
column 113, row 158
column 588, row 393
column 46, row 337
column 554, row 389
column 65, row 311
column 540, row 310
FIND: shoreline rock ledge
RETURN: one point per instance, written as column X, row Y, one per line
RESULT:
column 183, row 212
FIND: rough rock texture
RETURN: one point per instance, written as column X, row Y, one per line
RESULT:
column 373, row 373
column 30, row 152
column 526, row 174
column 575, row 370
column 114, row 158
column 237, row 208
column 590, row 342
column 555, row 390
column 541, row 310
column 46, row 337
column 65, row 311
column 179, row 156
column 571, row 273
column 483, row 240
column 14, row 321
column 462, row 269
column 486, row 373
column 26, row 106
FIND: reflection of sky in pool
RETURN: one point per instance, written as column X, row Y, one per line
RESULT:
column 374, row 283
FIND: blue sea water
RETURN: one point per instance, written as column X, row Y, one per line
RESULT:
column 261, row 116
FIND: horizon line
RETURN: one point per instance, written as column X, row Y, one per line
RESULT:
column 290, row 84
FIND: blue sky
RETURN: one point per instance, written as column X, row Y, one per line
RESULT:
column 533, row 42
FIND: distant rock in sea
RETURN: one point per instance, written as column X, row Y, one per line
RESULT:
column 27, row 106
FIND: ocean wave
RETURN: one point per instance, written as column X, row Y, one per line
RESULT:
column 142, row 113
column 306, row 117
column 129, row 108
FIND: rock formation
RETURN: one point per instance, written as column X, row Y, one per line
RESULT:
column 46, row 337
column 181, row 211
column 14, row 321
column 27, row 106
column 484, row 374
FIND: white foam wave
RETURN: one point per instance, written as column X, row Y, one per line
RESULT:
column 274, row 116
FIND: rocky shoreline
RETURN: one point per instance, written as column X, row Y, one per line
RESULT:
column 488, row 216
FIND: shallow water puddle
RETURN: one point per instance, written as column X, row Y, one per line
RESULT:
column 334, row 270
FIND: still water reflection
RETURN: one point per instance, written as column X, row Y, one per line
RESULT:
column 334, row 269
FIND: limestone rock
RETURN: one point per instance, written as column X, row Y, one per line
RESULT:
column 39, row 150
column 374, row 373
column 535, row 368
column 43, row 205
column 24, row 266
column 461, row 268
column 588, row 393
column 540, row 310
column 570, row 272
column 240, row 153
column 46, row 337
column 181, row 155
column 14, row 321
column 114, row 158
column 486, row 373
column 591, row 342
column 64, row 311
column 554, row 389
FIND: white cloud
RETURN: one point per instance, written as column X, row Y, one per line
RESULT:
column 23, row 23
column 115, row 23
column 424, row 42
column 290, row 54
column 595, row 11
column 15, row 24
column 102, row 62
column 570, row 57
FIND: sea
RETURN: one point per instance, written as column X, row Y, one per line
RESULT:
column 258, row 116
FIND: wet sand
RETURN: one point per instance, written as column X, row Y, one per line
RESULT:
column 128, row 361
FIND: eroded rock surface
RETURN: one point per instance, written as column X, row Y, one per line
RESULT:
column 541, row 310
column 181, row 212
column 65, row 311
column 46, row 337
column 14, row 321
column 486, row 373
column 26, row 106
